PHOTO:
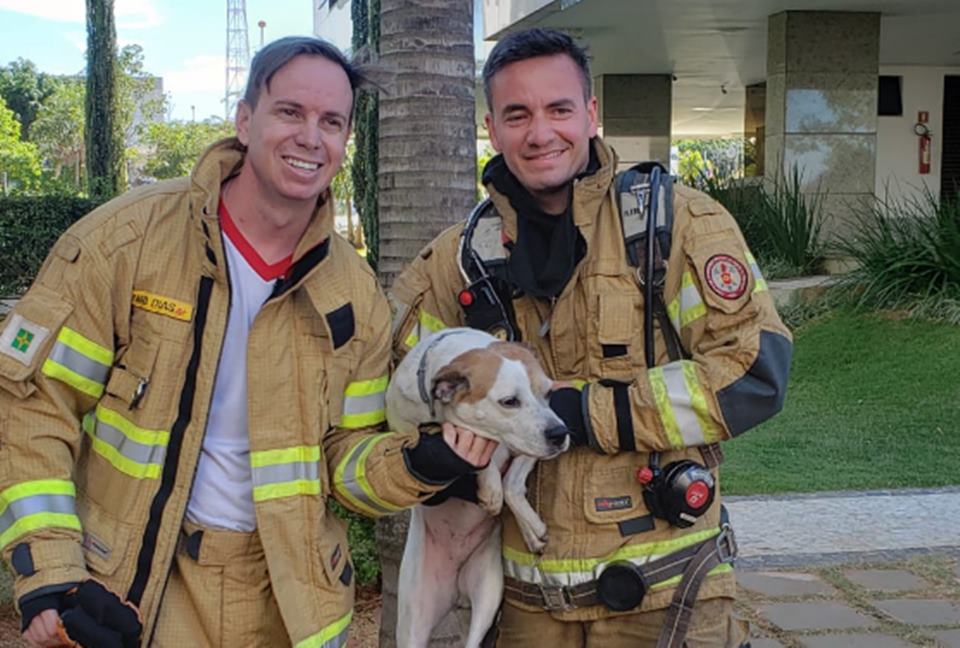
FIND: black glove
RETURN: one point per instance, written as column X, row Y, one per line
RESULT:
column 566, row 402
column 96, row 617
column 464, row 488
column 31, row 606
column 434, row 462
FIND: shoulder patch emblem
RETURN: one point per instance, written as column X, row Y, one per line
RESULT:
column 726, row 276
column 21, row 338
column 153, row 303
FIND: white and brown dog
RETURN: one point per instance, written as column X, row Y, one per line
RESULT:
column 499, row 391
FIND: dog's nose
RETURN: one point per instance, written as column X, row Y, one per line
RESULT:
column 557, row 435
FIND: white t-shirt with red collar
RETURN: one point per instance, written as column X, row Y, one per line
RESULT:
column 222, row 495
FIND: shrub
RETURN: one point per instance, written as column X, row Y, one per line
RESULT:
column 907, row 253
column 780, row 222
column 29, row 226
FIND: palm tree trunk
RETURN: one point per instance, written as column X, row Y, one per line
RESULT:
column 426, row 178
column 427, row 155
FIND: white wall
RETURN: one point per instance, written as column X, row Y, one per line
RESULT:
column 898, row 146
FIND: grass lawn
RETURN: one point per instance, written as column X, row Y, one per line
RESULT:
column 873, row 403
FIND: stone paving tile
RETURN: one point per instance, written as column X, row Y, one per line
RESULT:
column 889, row 580
column 949, row 638
column 765, row 643
column 783, row 583
column 921, row 611
column 814, row 616
column 854, row 641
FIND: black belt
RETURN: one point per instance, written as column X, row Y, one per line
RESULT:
column 721, row 548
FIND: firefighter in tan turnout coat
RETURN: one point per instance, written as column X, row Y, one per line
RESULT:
column 576, row 301
column 116, row 379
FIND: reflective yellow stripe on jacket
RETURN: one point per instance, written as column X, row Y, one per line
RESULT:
column 426, row 324
column 682, row 404
column 33, row 505
column 333, row 636
column 79, row 362
column 350, row 479
column 285, row 472
column 530, row 568
column 759, row 283
column 133, row 450
column 687, row 307
column 364, row 403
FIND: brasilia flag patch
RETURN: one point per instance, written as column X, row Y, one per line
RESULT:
column 21, row 339
column 726, row 276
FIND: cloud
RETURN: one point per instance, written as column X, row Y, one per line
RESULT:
column 128, row 14
column 202, row 73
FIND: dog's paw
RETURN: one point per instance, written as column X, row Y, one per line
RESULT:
column 490, row 499
column 535, row 536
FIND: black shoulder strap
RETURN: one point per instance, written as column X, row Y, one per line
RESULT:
column 633, row 190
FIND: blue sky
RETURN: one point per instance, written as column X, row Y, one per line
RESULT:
column 184, row 41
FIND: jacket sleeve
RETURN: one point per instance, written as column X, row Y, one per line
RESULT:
column 369, row 469
column 56, row 351
column 738, row 350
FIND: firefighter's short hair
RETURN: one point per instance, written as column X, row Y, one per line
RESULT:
column 275, row 55
column 531, row 43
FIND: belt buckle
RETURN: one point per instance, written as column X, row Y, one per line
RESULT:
column 726, row 544
column 556, row 598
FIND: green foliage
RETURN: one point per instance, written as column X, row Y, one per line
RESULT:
column 907, row 253
column 365, row 15
column 18, row 160
column 58, row 133
column 25, row 89
column 104, row 135
column 29, row 226
column 362, row 542
column 872, row 404
column 175, row 146
column 483, row 157
column 721, row 157
column 780, row 222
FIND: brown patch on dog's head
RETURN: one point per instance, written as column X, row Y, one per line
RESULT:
column 468, row 377
column 522, row 353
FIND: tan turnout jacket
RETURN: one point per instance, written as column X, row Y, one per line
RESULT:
column 736, row 376
column 107, row 369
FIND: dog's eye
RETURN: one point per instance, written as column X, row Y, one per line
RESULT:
column 510, row 403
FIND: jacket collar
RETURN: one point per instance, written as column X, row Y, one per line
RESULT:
column 221, row 162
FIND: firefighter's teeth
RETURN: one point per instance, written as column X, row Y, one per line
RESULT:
column 300, row 164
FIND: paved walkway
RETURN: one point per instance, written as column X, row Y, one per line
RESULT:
column 850, row 570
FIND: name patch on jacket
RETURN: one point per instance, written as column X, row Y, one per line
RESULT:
column 161, row 305
column 613, row 503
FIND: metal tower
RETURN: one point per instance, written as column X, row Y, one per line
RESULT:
column 238, row 55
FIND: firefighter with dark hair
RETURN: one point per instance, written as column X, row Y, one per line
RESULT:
column 642, row 299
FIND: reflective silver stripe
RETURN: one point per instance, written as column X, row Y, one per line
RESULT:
column 339, row 641
column 533, row 574
column 140, row 453
column 364, row 404
column 285, row 472
column 33, row 504
column 680, row 398
column 352, row 482
column 79, row 363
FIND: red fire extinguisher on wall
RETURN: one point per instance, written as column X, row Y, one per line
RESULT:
column 920, row 128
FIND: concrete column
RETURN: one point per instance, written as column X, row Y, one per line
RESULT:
column 635, row 115
column 821, row 104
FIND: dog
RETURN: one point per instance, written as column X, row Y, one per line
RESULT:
column 499, row 391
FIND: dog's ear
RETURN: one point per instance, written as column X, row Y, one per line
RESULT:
column 448, row 383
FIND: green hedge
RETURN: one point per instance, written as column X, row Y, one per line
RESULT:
column 29, row 226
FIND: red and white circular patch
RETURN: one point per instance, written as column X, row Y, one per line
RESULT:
column 726, row 276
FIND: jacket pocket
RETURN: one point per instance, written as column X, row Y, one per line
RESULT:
column 333, row 553
column 612, row 495
column 617, row 317
column 106, row 539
